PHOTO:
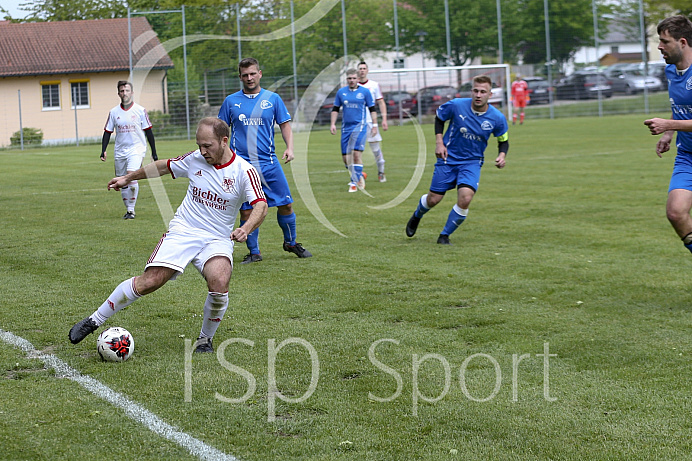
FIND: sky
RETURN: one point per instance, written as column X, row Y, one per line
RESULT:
column 13, row 7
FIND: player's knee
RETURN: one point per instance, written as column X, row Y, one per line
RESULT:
column 285, row 209
column 675, row 216
column 433, row 199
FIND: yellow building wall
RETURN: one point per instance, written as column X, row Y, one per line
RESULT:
column 59, row 125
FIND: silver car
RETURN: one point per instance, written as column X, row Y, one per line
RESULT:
column 630, row 80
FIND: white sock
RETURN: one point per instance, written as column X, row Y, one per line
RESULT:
column 125, row 194
column 379, row 159
column 132, row 200
column 214, row 309
column 123, row 295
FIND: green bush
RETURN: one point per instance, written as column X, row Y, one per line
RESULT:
column 31, row 136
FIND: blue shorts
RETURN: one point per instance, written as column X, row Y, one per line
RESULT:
column 446, row 177
column 352, row 139
column 682, row 172
column 274, row 185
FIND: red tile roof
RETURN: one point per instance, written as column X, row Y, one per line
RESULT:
column 67, row 47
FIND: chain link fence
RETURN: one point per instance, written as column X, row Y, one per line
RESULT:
column 305, row 50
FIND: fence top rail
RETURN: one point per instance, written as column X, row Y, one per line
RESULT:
column 435, row 69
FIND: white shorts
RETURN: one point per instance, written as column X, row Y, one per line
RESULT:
column 177, row 249
column 129, row 163
column 377, row 137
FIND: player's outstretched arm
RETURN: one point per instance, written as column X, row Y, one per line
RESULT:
column 152, row 170
column 257, row 215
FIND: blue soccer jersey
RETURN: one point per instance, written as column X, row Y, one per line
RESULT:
column 468, row 132
column 680, row 94
column 354, row 105
column 252, row 124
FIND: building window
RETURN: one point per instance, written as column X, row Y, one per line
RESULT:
column 50, row 94
column 399, row 63
column 79, row 93
column 441, row 62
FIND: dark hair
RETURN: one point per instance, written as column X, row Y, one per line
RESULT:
column 677, row 27
column 123, row 83
column 482, row 79
column 219, row 127
column 247, row 62
column 362, row 63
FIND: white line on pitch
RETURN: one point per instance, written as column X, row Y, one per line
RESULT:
column 132, row 409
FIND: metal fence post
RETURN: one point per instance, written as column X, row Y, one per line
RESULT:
column 21, row 128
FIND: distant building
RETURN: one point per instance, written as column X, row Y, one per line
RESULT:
column 57, row 66
column 621, row 43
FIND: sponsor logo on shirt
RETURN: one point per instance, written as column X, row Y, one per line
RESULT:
column 199, row 173
column 360, row 96
column 264, row 104
column 247, row 121
column 487, row 126
column 470, row 136
column 688, row 84
column 209, row 198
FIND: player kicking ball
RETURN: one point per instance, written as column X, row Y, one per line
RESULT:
column 201, row 232
column 460, row 154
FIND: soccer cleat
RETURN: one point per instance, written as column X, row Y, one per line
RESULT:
column 298, row 250
column 251, row 258
column 129, row 215
column 443, row 240
column 381, row 177
column 352, row 188
column 412, row 226
column 82, row 329
column 203, row 345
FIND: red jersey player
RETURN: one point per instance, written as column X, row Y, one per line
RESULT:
column 520, row 96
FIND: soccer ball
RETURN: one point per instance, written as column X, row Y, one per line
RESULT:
column 115, row 344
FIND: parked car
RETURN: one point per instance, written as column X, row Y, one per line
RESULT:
column 656, row 69
column 583, row 85
column 408, row 103
column 631, row 80
column 432, row 97
column 539, row 90
column 497, row 97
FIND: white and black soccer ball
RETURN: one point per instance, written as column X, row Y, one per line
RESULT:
column 115, row 344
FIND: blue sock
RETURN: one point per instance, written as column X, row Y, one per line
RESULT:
column 454, row 220
column 287, row 223
column 358, row 172
column 689, row 247
column 352, row 171
column 422, row 208
column 252, row 240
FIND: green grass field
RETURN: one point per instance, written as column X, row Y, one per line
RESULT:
column 566, row 253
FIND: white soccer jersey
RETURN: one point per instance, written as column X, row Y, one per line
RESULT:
column 374, row 88
column 215, row 193
column 129, row 126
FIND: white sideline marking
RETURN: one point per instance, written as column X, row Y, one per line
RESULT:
column 132, row 409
